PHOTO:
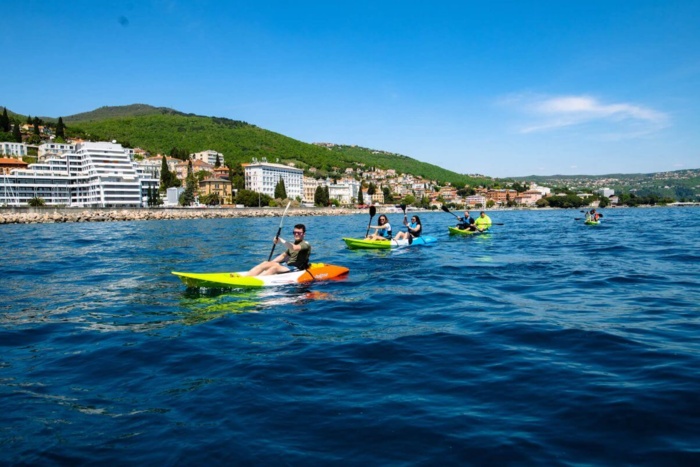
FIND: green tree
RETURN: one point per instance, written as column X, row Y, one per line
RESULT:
column 165, row 175
column 237, row 176
column 4, row 121
column 408, row 200
column 386, row 191
column 35, row 122
column 17, row 133
column 217, row 163
column 251, row 198
column 318, row 196
column 371, row 190
column 360, row 198
column 60, row 129
column 188, row 196
column 36, row 202
column 280, row 190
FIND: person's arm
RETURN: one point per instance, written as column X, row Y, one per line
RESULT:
column 289, row 245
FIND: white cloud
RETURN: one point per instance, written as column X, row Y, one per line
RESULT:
column 550, row 113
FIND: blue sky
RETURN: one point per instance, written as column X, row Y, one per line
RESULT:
column 501, row 88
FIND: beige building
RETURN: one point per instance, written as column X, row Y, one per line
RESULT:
column 221, row 187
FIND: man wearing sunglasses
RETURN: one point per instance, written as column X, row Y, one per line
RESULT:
column 295, row 258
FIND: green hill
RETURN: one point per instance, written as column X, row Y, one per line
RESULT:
column 133, row 110
column 159, row 130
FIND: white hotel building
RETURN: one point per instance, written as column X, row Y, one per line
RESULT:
column 94, row 175
column 262, row 177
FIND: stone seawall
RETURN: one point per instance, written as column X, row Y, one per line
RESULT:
column 59, row 215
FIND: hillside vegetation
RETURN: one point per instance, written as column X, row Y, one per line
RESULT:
column 159, row 130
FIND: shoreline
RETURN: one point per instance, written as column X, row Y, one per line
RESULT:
column 46, row 215
column 52, row 215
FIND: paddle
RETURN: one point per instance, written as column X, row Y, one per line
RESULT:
column 279, row 231
column 446, row 209
column 410, row 237
column 372, row 212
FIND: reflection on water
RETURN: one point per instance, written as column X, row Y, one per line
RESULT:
column 204, row 304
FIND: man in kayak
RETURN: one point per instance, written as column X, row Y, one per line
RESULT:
column 383, row 230
column 483, row 222
column 295, row 258
column 466, row 222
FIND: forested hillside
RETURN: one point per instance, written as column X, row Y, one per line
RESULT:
column 159, row 130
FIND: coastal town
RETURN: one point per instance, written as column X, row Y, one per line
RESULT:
column 103, row 174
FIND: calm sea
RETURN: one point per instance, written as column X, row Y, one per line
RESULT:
column 545, row 342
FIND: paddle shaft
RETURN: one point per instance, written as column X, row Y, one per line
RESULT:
column 279, row 231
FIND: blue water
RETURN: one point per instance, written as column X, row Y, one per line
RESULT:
column 545, row 342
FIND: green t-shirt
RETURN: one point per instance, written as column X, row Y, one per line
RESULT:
column 299, row 259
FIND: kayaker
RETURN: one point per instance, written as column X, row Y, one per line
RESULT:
column 414, row 228
column 295, row 258
column 466, row 222
column 483, row 222
column 592, row 215
column 382, row 231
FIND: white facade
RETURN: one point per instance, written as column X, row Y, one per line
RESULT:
column 607, row 192
column 208, row 156
column 48, row 150
column 13, row 149
column 94, row 175
column 262, row 177
column 346, row 192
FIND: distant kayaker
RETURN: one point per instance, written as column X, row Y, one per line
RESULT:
column 483, row 222
column 382, row 231
column 592, row 215
column 414, row 228
column 295, row 258
column 466, row 222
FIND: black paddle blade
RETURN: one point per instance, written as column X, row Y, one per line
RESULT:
column 372, row 211
column 403, row 208
column 445, row 208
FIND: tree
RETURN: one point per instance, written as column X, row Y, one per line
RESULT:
column 166, row 176
column 60, row 129
column 35, row 122
column 236, row 174
column 17, row 133
column 188, row 196
column 371, row 190
column 360, row 198
column 386, row 191
column 280, row 190
column 217, row 163
column 251, row 198
column 36, row 202
column 4, row 121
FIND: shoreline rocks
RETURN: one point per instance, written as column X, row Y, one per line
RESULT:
column 62, row 215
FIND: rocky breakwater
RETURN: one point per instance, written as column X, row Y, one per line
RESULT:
column 60, row 215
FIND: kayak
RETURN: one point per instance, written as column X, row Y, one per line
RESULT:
column 456, row 231
column 315, row 272
column 591, row 222
column 364, row 244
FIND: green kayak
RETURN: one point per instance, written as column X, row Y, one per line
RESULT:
column 456, row 231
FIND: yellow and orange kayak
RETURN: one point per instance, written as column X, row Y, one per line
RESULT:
column 315, row 272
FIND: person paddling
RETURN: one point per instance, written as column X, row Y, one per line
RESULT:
column 466, row 222
column 592, row 215
column 382, row 231
column 295, row 258
column 414, row 229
